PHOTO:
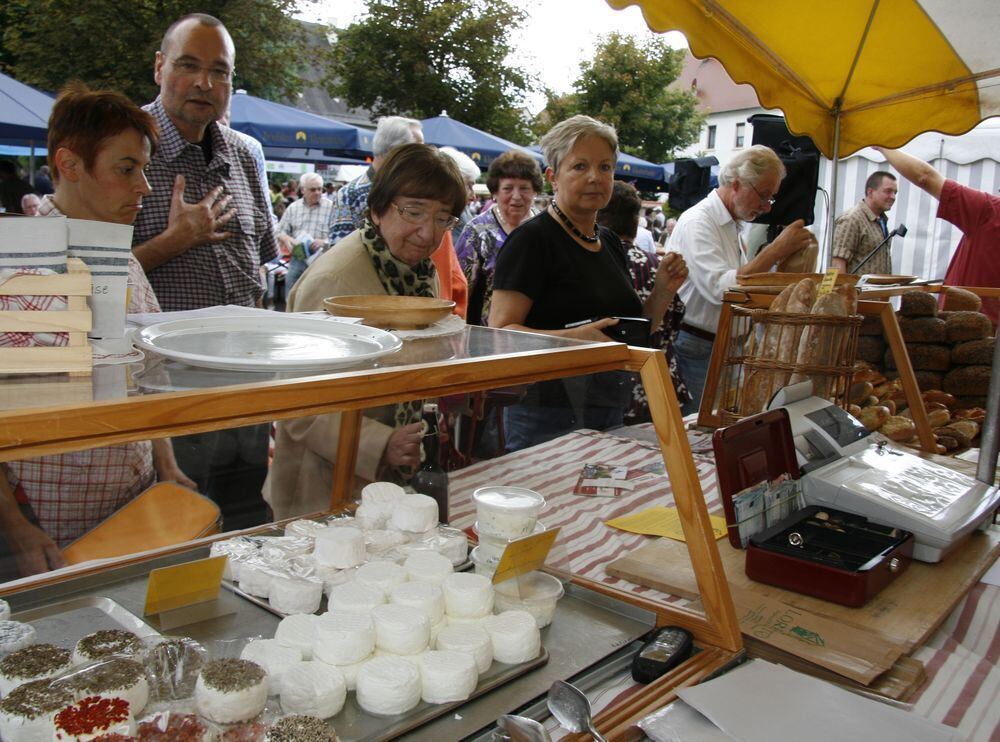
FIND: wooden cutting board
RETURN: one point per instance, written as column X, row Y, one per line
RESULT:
column 904, row 614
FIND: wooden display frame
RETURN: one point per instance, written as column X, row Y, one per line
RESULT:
column 709, row 417
column 76, row 357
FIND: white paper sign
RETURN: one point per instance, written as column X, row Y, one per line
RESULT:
column 33, row 242
column 105, row 248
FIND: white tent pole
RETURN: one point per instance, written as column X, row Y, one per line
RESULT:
column 832, row 213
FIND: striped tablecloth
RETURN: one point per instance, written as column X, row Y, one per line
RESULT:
column 963, row 682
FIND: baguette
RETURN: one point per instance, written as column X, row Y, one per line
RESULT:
column 817, row 345
column 777, row 345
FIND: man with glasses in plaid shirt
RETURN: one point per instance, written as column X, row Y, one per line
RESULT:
column 204, row 232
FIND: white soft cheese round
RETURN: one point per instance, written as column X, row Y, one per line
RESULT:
column 343, row 637
column 428, row 566
column 4, row 610
column 340, row 547
column 422, row 596
column 314, row 689
column 274, row 657
column 401, row 630
column 446, row 677
column 35, row 662
column 380, row 498
column 255, row 579
column 291, row 595
column 471, row 639
column 381, row 575
column 388, row 686
column 229, row 691
column 298, row 631
column 303, row 528
column 415, row 514
column 467, row 595
column 515, row 636
column 353, row 596
column 15, row 635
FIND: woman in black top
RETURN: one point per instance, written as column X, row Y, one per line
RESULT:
column 560, row 268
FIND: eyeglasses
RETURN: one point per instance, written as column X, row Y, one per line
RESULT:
column 769, row 201
column 420, row 215
column 218, row 75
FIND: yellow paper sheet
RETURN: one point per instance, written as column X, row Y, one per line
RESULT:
column 662, row 521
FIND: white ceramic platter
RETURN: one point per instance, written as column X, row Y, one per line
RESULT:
column 262, row 343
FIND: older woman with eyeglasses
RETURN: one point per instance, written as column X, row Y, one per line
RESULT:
column 514, row 179
column 562, row 274
column 416, row 197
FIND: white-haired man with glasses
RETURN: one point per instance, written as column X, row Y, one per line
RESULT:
column 204, row 232
column 709, row 236
column 352, row 199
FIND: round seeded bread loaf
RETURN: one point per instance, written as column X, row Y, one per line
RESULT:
column 918, row 304
column 974, row 352
column 929, row 357
column 871, row 348
column 968, row 381
column 961, row 300
column 923, row 330
column 964, row 326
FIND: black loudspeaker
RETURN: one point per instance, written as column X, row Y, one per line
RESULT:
column 796, row 198
column 690, row 182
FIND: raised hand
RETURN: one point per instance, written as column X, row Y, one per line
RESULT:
column 196, row 224
column 673, row 271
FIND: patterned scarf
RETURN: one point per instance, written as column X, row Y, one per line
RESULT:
column 399, row 279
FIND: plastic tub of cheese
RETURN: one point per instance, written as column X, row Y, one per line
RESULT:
column 491, row 547
column 485, row 564
column 534, row 592
column 506, row 512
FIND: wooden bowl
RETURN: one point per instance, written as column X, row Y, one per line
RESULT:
column 882, row 279
column 396, row 312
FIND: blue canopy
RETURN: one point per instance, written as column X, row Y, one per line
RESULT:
column 24, row 113
column 276, row 125
column 483, row 148
column 629, row 167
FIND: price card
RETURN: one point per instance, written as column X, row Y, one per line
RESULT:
column 105, row 248
column 828, row 282
column 525, row 555
column 182, row 585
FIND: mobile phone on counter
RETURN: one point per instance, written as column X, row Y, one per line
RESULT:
column 668, row 647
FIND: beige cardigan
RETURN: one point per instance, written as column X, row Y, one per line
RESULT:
column 301, row 477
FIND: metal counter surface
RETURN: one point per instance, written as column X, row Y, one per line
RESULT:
column 587, row 629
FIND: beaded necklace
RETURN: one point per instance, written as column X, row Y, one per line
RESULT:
column 572, row 227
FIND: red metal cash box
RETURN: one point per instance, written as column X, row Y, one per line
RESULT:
column 817, row 551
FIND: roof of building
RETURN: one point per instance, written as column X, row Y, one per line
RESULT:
column 714, row 88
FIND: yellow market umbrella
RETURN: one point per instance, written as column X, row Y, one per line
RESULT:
column 851, row 73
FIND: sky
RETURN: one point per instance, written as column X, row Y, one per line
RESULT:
column 555, row 37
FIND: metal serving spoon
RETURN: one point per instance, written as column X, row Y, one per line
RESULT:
column 522, row 729
column 572, row 709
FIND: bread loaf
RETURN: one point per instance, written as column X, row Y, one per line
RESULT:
column 956, row 299
column 968, row 381
column 974, row 352
column 778, row 344
column 819, row 345
column 801, row 261
column 874, row 417
column 960, row 432
column 923, row 330
column 963, row 326
column 917, row 304
column 935, row 395
column 898, row 428
column 871, row 348
column 929, row 357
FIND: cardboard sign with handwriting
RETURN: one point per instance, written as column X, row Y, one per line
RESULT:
column 525, row 555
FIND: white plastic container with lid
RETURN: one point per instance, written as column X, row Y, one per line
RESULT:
column 484, row 563
column 534, row 592
column 491, row 548
column 506, row 512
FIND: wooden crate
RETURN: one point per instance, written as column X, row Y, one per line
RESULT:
column 76, row 357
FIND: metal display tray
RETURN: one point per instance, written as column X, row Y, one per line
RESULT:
column 65, row 623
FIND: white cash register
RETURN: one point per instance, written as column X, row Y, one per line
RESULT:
column 843, row 467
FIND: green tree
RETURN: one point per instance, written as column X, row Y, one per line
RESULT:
column 626, row 85
column 106, row 43
column 420, row 57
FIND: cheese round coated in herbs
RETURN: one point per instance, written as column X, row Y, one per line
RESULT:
column 105, row 643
